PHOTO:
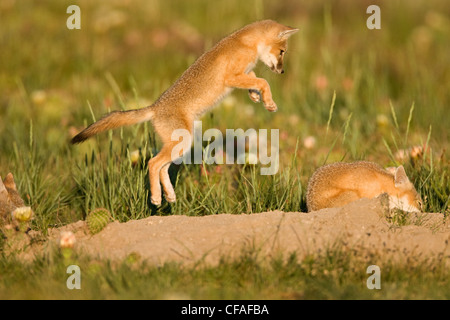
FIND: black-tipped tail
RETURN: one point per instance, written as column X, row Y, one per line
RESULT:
column 114, row 120
column 79, row 138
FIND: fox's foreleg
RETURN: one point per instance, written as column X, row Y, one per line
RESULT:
column 254, row 95
column 256, row 86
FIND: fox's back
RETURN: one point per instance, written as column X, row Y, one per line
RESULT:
column 202, row 84
column 189, row 90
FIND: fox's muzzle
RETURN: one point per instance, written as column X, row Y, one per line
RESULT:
column 277, row 69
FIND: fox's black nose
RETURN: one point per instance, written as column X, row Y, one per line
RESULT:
column 282, row 71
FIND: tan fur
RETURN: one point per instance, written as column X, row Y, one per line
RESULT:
column 9, row 196
column 337, row 184
column 217, row 72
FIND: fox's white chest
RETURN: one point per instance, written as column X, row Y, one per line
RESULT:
column 266, row 56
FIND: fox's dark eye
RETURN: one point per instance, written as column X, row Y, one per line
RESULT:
column 281, row 52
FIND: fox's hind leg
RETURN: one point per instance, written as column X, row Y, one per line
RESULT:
column 155, row 165
column 158, row 166
column 342, row 199
column 169, row 192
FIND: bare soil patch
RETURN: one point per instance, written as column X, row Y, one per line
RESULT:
column 361, row 225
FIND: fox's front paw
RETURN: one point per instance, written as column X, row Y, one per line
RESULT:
column 254, row 95
column 271, row 106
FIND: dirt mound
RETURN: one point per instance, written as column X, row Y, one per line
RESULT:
column 362, row 224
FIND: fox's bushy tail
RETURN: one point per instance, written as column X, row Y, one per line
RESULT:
column 114, row 120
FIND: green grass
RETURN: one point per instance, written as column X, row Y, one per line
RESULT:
column 339, row 273
column 363, row 94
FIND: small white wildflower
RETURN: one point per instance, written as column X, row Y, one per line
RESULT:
column 67, row 239
column 382, row 120
column 22, row 214
column 416, row 152
column 134, row 155
column 247, row 158
column 38, row 97
column 309, row 142
column 229, row 102
column 401, row 155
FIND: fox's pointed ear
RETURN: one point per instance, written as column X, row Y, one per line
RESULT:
column 400, row 177
column 283, row 35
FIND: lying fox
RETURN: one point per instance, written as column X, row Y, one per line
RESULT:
column 216, row 73
column 337, row 184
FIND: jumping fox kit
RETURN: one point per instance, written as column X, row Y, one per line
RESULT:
column 217, row 72
column 337, row 184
